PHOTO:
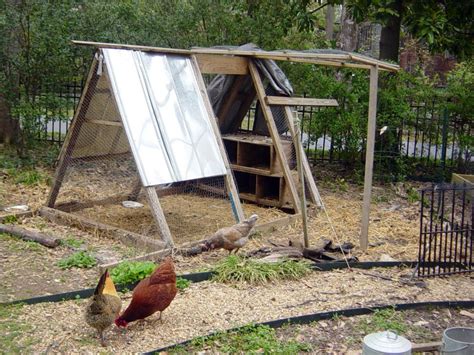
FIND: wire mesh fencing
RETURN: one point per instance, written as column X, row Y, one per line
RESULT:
column 446, row 231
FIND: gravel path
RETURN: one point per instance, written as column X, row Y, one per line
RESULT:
column 206, row 307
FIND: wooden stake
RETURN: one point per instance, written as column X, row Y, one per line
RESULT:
column 301, row 176
column 159, row 216
column 267, row 113
column 369, row 157
column 313, row 189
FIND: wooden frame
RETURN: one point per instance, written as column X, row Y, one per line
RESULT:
column 272, row 129
column 204, row 58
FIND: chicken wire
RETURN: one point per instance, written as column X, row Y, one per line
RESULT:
column 101, row 173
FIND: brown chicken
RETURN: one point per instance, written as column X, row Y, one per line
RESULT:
column 232, row 238
column 154, row 293
column 104, row 306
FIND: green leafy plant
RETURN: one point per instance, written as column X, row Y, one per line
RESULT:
column 72, row 242
column 80, row 259
column 182, row 284
column 132, row 271
column 249, row 339
column 29, row 177
column 237, row 269
column 10, row 219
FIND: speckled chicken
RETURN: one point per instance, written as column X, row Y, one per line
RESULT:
column 104, row 306
column 152, row 294
column 232, row 238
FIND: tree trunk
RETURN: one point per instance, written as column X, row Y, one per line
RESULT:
column 390, row 37
column 330, row 22
column 348, row 35
column 9, row 128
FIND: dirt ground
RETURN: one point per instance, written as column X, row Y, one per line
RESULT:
column 209, row 306
column 393, row 234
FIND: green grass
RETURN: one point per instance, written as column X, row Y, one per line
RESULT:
column 249, row 340
column 17, row 244
column 72, row 242
column 27, row 177
column 234, row 269
column 11, row 330
column 80, row 259
column 132, row 271
column 384, row 319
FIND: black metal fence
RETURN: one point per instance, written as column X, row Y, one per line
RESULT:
column 428, row 147
column 446, row 230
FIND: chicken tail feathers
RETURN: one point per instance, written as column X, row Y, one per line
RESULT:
column 100, row 286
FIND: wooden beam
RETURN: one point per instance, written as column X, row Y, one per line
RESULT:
column 229, row 179
column 299, row 101
column 133, row 47
column 72, row 134
column 219, row 64
column 330, row 59
column 267, row 113
column 126, row 237
column 274, row 225
column 105, row 123
column 159, row 216
column 369, row 157
column 425, row 347
column 313, row 189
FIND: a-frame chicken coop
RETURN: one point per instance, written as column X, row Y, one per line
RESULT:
column 145, row 131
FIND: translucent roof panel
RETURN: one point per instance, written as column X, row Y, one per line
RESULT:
column 164, row 116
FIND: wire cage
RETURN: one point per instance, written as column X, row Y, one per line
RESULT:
column 446, row 231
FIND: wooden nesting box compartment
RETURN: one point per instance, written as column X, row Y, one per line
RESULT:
column 257, row 170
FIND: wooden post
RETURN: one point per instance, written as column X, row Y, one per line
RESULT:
column 267, row 113
column 72, row 135
column 159, row 216
column 299, row 158
column 369, row 156
column 229, row 179
column 313, row 189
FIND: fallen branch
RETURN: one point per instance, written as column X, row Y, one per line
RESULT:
column 43, row 239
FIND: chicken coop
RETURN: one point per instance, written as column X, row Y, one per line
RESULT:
column 155, row 157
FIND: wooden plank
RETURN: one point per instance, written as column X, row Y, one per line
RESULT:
column 126, row 237
column 256, row 171
column 267, row 113
column 369, row 157
column 304, row 57
column 299, row 101
column 432, row 346
column 313, row 189
column 105, row 123
column 245, row 138
column 219, row 64
column 159, row 216
column 331, row 59
column 72, row 134
column 229, row 179
column 274, row 225
column 132, row 47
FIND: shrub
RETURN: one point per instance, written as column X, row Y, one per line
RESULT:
column 132, row 271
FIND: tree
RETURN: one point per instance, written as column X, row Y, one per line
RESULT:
column 441, row 24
